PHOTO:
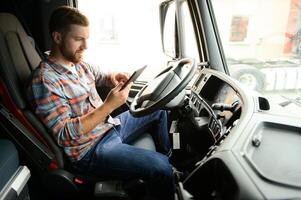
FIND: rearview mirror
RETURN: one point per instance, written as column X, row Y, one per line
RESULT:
column 169, row 34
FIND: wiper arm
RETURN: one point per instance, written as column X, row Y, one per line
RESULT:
column 288, row 101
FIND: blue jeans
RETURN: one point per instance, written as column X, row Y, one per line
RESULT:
column 113, row 158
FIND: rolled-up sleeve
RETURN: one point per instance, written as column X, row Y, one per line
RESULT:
column 54, row 110
column 101, row 77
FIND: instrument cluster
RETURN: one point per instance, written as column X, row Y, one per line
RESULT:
column 215, row 100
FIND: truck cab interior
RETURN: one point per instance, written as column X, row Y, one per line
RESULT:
column 228, row 142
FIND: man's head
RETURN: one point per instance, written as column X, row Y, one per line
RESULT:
column 69, row 31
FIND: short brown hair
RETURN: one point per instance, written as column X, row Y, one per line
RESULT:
column 64, row 16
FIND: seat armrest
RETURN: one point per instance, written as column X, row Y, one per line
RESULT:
column 16, row 185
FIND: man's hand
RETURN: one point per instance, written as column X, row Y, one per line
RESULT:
column 117, row 97
column 116, row 78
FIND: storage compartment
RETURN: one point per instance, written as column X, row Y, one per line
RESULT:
column 274, row 152
column 212, row 181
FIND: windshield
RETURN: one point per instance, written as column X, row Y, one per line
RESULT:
column 261, row 42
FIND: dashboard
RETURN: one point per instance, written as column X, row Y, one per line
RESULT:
column 245, row 148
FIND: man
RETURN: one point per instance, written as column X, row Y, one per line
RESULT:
column 63, row 95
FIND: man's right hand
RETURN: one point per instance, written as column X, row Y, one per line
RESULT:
column 117, row 97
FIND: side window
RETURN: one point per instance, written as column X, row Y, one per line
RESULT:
column 124, row 35
column 169, row 31
column 188, row 37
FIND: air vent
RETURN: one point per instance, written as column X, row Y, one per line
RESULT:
column 263, row 103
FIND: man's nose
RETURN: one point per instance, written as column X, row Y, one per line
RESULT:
column 85, row 44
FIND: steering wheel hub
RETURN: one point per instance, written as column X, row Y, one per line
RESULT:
column 164, row 87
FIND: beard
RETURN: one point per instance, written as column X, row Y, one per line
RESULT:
column 74, row 57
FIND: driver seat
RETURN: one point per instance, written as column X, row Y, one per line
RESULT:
column 18, row 58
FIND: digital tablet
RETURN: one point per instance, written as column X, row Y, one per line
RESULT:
column 134, row 76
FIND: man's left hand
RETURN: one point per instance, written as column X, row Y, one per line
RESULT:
column 118, row 77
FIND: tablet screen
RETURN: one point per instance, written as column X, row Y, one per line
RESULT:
column 134, row 76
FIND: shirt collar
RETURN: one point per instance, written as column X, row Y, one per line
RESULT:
column 58, row 67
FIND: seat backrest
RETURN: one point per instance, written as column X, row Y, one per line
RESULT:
column 18, row 57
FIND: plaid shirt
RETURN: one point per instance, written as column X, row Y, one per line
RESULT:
column 60, row 97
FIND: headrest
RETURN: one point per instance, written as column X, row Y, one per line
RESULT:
column 18, row 57
column 10, row 24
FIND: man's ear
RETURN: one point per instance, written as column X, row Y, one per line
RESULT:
column 57, row 37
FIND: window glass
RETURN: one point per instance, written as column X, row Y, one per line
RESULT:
column 169, row 31
column 124, row 35
column 188, row 39
column 261, row 41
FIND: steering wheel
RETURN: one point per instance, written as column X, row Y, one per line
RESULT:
column 164, row 87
